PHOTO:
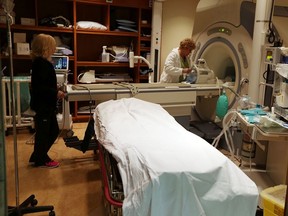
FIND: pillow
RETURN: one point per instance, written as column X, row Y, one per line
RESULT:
column 90, row 25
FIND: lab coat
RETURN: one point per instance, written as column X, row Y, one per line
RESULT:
column 172, row 68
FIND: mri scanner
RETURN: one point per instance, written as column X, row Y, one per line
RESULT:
column 223, row 32
column 224, row 40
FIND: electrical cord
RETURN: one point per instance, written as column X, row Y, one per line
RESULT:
column 264, row 75
column 271, row 36
column 90, row 99
column 89, row 133
column 226, row 132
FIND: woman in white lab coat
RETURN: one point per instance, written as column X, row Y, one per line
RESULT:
column 178, row 63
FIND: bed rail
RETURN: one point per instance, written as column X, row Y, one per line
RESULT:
column 112, row 183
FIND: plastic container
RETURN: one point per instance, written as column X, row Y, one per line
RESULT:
column 273, row 199
column 105, row 55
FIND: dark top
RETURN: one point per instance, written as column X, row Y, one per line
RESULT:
column 43, row 86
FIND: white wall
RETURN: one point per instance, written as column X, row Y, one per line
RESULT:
column 177, row 24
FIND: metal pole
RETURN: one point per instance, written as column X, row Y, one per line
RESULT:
column 9, row 23
column 259, row 34
column 3, row 195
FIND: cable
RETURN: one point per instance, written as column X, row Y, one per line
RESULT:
column 16, row 165
column 226, row 132
column 265, row 74
column 90, row 99
column 271, row 36
column 231, row 89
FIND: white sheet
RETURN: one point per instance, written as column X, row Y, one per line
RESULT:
column 167, row 170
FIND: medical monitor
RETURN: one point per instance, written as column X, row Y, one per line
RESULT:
column 60, row 63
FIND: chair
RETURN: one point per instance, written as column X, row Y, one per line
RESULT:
column 29, row 206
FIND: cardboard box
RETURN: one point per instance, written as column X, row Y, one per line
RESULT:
column 19, row 37
column 3, row 19
column 274, row 200
column 22, row 48
column 27, row 21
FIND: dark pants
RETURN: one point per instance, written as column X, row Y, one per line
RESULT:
column 47, row 131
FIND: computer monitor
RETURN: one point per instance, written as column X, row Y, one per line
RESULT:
column 60, row 63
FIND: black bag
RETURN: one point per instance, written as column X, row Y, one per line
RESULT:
column 54, row 21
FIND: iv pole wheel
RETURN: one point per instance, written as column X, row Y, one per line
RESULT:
column 34, row 202
column 52, row 213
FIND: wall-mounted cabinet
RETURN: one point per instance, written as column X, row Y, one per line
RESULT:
column 120, row 25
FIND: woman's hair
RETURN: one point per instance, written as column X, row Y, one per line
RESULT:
column 187, row 43
column 43, row 45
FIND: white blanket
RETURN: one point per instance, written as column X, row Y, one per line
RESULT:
column 166, row 170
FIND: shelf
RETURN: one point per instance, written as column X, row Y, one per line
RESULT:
column 27, row 57
column 16, row 57
column 144, row 77
column 145, row 49
column 120, row 3
column 145, row 38
column 38, row 28
column 108, row 33
column 102, row 64
column 146, row 26
column 86, row 44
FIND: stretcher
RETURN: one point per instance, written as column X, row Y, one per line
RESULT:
column 151, row 165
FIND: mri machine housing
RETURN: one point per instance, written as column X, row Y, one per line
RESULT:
column 223, row 33
column 225, row 41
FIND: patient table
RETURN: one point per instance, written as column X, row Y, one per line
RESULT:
column 176, row 98
column 153, row 166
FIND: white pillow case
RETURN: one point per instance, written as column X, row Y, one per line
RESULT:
column 90, row 25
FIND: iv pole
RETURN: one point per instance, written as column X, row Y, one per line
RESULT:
column 3, row 195
column 9, row 22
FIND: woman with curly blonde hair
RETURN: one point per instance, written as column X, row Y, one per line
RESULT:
column 44, row 96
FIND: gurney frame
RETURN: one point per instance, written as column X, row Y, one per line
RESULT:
column 112, row 183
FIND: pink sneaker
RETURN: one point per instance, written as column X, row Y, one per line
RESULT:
column 51, row 164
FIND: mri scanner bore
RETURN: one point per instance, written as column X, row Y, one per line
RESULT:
column 226, row 50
